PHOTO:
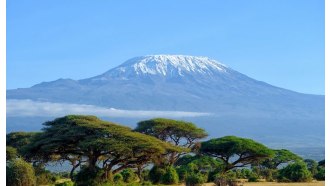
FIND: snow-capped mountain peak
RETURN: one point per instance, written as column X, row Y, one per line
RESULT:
column 166, row 65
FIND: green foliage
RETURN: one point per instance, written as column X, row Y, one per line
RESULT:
column 170, row 176
column 320, row 175
column 295, row 172
column 229, row 147
column 280, row 157
column 11, row 153
column 20, row 173
column 78, row 136
column 117, row 178
column 179, row 133
column 66, row 183
column 145, row 174
column 196, row 179
column 44, row 177
column 128, row 175
column 311, row 165
column 165, row 175
column 19, row 140
column 87, row 177
column 253, row 177
column 156, row 173
column 321, row 163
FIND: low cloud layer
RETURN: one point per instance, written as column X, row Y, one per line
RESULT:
column 36, row 108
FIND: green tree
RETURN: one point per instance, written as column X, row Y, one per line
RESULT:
column 89, row 140
column 268, row 167
column 179, row 133
column 281, row 157
column 295, row 172
column 311, row 166
column 20, row 173
column 19, row 140
column 235, row 152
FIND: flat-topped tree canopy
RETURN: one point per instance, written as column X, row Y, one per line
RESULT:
column 280, row 156
column 236, row 151
column 95, row 139
column 174, row 131
column 177, row 132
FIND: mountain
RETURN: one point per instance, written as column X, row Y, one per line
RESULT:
column 237, row 103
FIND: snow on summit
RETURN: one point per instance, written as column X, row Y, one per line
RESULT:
column 167, row 65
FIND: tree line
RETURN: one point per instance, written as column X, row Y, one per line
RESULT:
column 157, row 151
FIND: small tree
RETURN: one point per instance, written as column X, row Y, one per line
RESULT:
column 20, row 173
column 295, row 172
column 311, row 166
column 235, row 152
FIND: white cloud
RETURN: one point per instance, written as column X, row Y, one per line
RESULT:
column 36, row 108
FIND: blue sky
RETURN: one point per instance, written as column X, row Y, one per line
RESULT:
column 280, row 42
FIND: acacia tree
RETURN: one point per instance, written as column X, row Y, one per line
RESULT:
column 88, row 140
column 179, row 133
column 235, row 152
column 280, row 157
column 18, row 140
column 268, row 168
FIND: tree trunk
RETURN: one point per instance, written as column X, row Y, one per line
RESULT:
column 92, row 163
column 73, row 169
column 139, row 173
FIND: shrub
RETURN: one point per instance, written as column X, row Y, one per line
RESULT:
column 145, row 175
column 182, row 173
column 156, row 173
column 253, row 177
column 86, row 177
column 67, row 183
column 295, row 172
column 128, row 175
column 20, row 173
column 118, row 178
column 170, row 176
column 320, row 175
column 196, row 179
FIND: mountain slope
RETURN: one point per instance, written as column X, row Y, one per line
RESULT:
column 169, row 82
column 238, row 104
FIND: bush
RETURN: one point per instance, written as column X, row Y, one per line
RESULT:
column 20, row 173
column 145, row 175
column 117, row 178
column 253, row 177
column 182, row 173
column 196, row 179
column 170, row 176
column 320, row 175
column 128, row 175
column 295, row 172
column 86, row 177
column 156, row 173
column 67, row 183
